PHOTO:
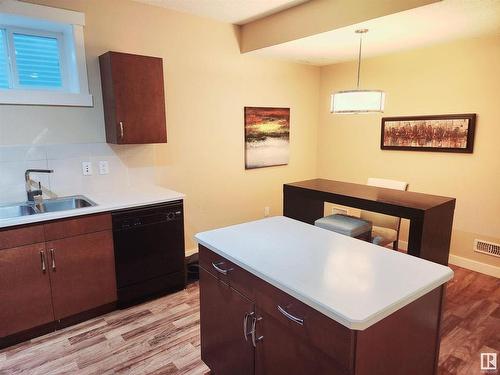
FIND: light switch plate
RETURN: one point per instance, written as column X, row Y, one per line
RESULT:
column 103, row 167
column 86, row 168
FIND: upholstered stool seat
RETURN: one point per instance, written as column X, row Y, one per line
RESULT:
column 347, row 225
column 383, row 236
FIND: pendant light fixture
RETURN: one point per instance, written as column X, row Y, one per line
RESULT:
column 358, row 101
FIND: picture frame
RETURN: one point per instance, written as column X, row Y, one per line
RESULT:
column 435, row 133
column 267, row 136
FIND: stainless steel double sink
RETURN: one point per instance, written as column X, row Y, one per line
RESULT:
column 10, row 211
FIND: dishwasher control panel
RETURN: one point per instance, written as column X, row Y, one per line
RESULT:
column 147, row 216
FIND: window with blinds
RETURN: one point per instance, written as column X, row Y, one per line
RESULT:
column 30, row 60
column 42, row 56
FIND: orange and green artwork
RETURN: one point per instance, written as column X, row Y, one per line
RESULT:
column 267, row 136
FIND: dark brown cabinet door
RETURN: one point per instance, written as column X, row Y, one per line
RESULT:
column 133, row 98
column 24, row 289
column 222, row 313
column 281, row 352
column 82, row 272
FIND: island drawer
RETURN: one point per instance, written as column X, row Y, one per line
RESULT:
column 227, row 272
column 320, row 331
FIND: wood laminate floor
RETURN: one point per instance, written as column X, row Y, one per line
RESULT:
column 162, row 336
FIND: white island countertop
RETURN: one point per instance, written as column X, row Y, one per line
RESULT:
column 351, row 281
column 124, row 197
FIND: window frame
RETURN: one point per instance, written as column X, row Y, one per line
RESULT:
column 12, row 61
column 67, row 26
column 7, row 57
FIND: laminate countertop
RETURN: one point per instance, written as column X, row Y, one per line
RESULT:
column 351, row 281
column 106, row 200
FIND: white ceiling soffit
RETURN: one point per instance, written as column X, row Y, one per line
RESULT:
column 435, row 23
column 236, row 12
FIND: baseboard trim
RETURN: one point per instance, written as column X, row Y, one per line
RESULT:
column 192, row 251
column 474, row 265
column 470, row 264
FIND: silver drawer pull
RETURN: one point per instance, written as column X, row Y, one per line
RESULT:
column 53, row 257
column 245, row 323
column 290, row 316
column 221, row 270
column 42, row 260
column 253, row 332
column 121, row 129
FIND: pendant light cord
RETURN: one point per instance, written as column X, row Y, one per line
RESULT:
column 359, row 56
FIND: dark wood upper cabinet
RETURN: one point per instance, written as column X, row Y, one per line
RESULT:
column 133, row 98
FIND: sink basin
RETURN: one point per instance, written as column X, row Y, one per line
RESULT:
column 16, row 210
column 49, row 205
column 65, row 203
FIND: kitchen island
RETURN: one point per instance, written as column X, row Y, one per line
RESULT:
column 278, row 296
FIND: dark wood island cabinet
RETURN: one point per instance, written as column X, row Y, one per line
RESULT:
column 250, row 326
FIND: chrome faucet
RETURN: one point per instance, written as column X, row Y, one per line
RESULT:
column 34, row 196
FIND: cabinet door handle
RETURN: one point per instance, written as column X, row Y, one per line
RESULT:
column 42, row 260
column 221, row 270
column 245, row 323
column 53, row 258
column 254, row 328
column 290, row 316
column 121, row 129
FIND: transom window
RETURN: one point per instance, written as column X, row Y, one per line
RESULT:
column 42, row 56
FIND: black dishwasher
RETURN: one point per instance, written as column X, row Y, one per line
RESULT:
column 149, row 252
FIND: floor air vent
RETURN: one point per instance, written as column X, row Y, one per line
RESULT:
column 486, row 247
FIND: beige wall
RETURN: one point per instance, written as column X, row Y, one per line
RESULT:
column 208, row 82
column 459, row 77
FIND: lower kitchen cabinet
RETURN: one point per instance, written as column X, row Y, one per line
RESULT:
column 46, row 285
column 226, row 344
column 281, row 352
column 82, row 273
column 24, row 289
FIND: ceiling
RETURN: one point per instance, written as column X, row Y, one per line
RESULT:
column 236, row 12
column 435, row 23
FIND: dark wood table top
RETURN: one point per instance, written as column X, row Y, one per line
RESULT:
column 406, row 199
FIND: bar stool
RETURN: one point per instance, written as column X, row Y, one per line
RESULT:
column 347, row 225
column 383, row 229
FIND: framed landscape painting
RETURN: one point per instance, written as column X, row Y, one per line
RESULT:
column 267, row 137
column 443, row 133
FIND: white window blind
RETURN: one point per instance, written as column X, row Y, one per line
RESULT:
column 37, row 61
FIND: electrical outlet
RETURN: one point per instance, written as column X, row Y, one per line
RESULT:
column 103, row 167
column 266, row 211
column 87, row 168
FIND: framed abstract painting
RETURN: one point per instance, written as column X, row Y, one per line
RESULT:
column 267, row 137
column 442, row 133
